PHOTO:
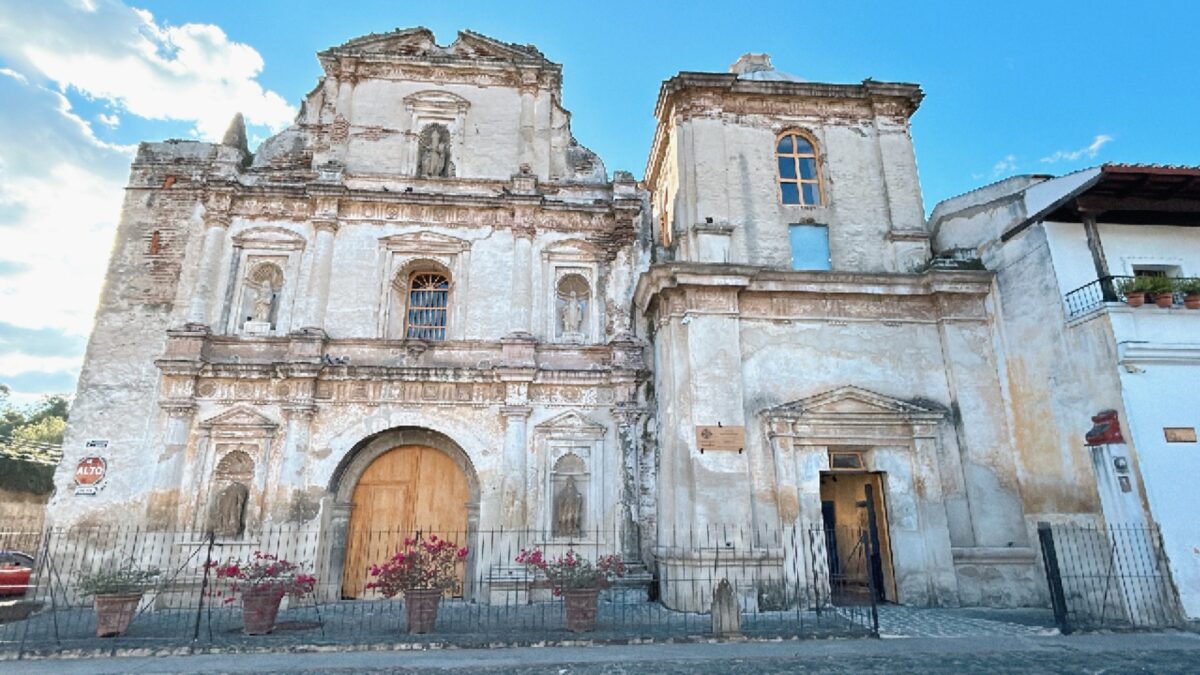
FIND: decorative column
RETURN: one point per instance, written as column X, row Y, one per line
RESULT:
column 216, row 221
column 318, row 296
column 632, row 520
column 516, row 469
column 519, row 367
column 292, row 462
column 527, row 152
column 172, row 497
column 522, row 280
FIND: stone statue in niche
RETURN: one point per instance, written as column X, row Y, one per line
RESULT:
column 261, row 310
column 568, row 510
column 572, row 314
column 227, row 518
column 433, row 156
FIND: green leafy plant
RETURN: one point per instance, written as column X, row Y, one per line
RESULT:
column 1145, row 284
column 1189, row 286
column 118, row 581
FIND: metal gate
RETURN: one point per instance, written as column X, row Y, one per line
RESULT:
column 1107, row 577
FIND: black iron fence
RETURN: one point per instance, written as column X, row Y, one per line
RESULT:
column 1107, row 577
column 1109, row 289
column 790, row 582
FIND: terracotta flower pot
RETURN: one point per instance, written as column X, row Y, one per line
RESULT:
column 581, row 608
column 259, row 609
column 114, row 612
column 421, row 604
column 1164, row 299
column 1192, row 301
column 1135, row 299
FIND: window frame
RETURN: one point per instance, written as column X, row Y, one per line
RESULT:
column 423, row 330
column 795, row 156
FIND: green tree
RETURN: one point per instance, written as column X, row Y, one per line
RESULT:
column 43, row 423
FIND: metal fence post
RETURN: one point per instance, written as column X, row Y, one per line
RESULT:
column 1058, row 599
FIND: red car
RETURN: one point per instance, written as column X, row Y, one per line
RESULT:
column 15, row 568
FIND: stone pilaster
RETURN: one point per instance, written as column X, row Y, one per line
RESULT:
column 216, row 223
column 318, row 297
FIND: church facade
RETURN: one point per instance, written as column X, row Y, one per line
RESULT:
column 425, row 306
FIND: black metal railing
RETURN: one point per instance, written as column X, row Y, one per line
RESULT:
column 788, row 582
column 1107, row 577
column 1093, row 295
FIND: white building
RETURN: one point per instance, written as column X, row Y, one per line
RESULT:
column 1073, row 348
column 425, row 305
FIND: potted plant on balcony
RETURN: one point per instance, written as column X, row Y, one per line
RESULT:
column 1163, row 290
column 262, row 581
column 115, row 594
column 577, row 580
column 1190, row 288
column 1135, row 289
column 422, row 571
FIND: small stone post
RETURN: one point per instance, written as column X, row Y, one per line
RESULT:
column 726, row 618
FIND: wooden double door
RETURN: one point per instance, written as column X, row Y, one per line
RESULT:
column 406, row 490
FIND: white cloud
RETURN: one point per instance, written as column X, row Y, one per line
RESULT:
column 1005, row 166
column 1089, row 152
column 61, row 187
column 60, row 196
column 107, row 50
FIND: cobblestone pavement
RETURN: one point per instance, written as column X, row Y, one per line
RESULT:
column 1118, row 653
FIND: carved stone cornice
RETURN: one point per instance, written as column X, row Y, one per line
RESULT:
column 330, row 226
column 676, row 289
column 176, row 407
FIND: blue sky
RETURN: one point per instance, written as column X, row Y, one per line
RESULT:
column 1012, row 87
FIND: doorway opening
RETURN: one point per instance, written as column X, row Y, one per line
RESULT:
column 408, row 490
column 857, row 541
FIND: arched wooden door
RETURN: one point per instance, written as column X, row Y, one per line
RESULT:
column 405, row 490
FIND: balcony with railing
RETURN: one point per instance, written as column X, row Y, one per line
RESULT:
column 1094, row 295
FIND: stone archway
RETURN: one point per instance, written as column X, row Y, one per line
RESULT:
column 373, row 471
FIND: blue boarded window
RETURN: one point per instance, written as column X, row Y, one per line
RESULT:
column 428, row 301
column 810, row 246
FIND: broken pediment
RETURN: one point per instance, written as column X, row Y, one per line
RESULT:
column 425, row 242
column 432, row 101
column 573, row 423
column 241, row 417
column 853, row 401
column 268, row 237
column 420, row 42
column 568, row 249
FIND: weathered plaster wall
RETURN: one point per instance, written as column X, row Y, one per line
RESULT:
column 952, row 488
column 870, row 183
column 145, row 292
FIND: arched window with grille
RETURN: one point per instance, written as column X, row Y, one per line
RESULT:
column 426, row 311
column 799, row 169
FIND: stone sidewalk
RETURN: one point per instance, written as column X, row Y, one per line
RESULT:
column 1123, row 653
column 378, row 626
column 913, row 622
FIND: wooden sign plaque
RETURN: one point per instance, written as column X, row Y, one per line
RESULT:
column 1180, row 434
column 721, row 439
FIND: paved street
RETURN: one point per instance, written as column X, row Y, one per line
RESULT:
column 1126, row 653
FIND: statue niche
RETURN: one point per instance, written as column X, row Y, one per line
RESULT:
column 227, row 513
column 261, row 299
column 433, row 152
column 568, row 516
column 228, row 516
column 571, row 304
